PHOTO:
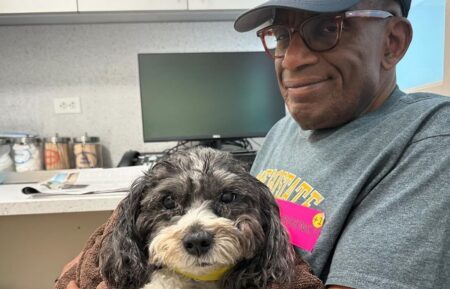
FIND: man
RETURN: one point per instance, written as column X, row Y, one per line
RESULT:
column 374, row 160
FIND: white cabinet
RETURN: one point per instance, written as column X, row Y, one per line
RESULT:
column 223, row 4
column 130, row 5
column 37, row 6
column 26, row 12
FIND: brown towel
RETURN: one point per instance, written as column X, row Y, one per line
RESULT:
column 304, row 278
column 86, row 272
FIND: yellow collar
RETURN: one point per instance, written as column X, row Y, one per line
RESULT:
column 213, row 276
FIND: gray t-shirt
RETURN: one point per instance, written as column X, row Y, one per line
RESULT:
column 383, row 183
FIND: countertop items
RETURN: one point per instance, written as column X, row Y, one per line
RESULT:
column 87, row 190
column 28, row 155
column 6, row 162
column 88, row 152
column 29, row 152
column 57, row 153
column 14, row 202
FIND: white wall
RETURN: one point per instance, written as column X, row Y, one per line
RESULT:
column 98, row 63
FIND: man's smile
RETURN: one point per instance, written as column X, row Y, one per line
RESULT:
column 300, row 88
column 303, row 82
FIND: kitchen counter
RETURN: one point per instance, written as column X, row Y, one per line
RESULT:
column 14, row 202
column 40, row 234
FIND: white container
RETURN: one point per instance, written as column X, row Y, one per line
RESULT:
column 28, row 154
column 6, row 162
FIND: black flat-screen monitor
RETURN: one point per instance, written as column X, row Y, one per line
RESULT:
column 208, row 96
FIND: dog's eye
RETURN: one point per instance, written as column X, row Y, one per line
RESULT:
column 227, row 197
column 169, row 202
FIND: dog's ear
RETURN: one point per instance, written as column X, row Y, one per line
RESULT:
column 123, row 257
column 278, row 255
column 274, row 260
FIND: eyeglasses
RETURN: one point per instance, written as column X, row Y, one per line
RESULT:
column 319, row 33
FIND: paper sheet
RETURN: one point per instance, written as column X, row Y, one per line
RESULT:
column 87, row 181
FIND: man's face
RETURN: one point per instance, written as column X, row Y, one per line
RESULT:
column 328, row 89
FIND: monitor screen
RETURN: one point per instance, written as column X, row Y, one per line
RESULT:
column 202, row 96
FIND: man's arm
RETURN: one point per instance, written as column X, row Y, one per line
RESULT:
column 400, row 226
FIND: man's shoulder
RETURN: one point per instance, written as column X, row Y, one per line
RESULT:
column 435, row 114
column 425, row 99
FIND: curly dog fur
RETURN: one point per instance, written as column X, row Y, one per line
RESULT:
column 193, row 213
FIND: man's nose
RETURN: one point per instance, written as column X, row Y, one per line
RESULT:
column 298, row 54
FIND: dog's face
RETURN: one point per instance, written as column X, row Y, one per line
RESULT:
column 196, row 212
column 208, row 212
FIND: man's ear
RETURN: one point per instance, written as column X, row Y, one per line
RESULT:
column 398, row 37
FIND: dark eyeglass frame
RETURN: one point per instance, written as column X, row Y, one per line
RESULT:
column 339, row 18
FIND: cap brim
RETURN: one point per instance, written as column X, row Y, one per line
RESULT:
column 406, row 5
column 255, row 17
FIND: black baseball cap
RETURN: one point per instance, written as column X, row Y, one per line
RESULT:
column 264, row 12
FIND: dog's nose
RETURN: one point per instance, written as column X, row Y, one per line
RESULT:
column 198, row 243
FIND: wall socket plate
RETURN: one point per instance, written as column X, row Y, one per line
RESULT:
column 63, row 105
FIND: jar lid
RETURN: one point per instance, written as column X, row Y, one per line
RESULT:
column 27, row 140
column 86, row 139
column 57, row 139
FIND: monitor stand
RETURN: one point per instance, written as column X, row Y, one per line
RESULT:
column 213, row 143
column 243, row 154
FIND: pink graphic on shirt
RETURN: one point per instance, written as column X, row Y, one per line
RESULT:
column 303, row 224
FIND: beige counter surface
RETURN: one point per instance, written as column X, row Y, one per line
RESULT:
column 14, row 202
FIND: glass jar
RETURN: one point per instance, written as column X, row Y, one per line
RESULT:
column 6, row 162
column 28, row 154
column 56, row 152
column 87, row 152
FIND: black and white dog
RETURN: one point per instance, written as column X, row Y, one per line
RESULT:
column 197, row 220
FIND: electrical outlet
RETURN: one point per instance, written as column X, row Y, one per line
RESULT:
column 64, row 105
